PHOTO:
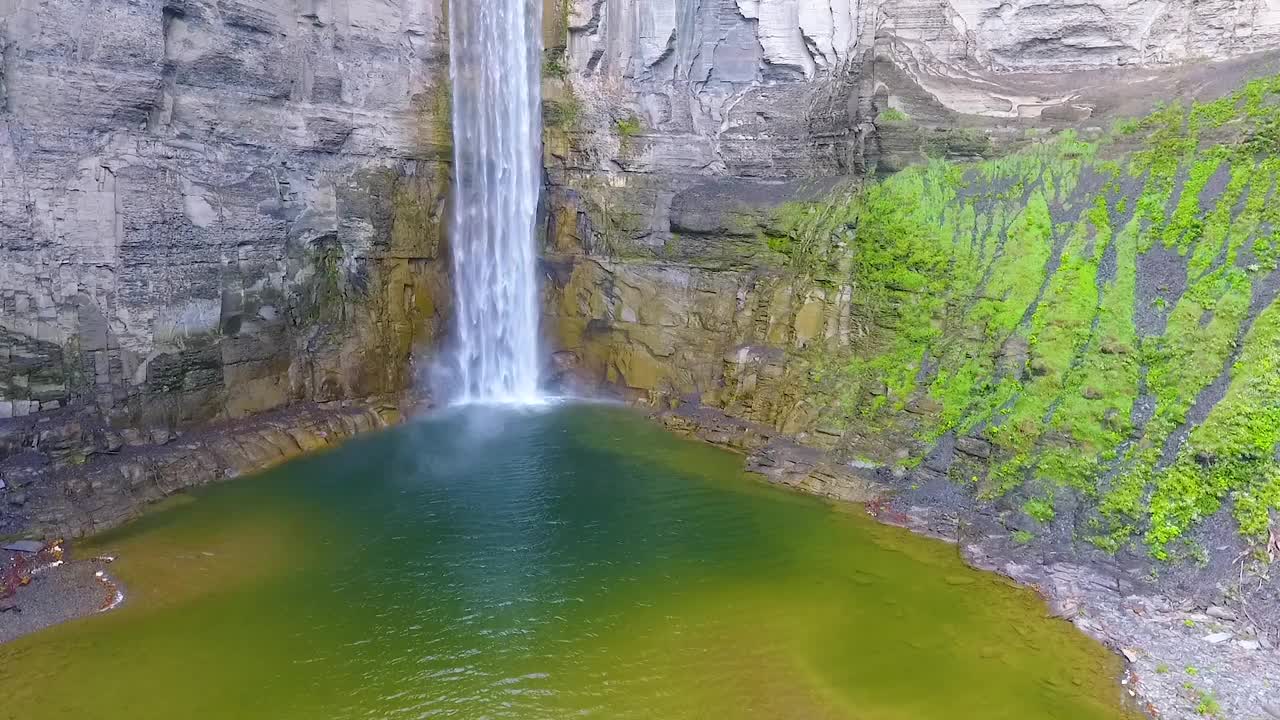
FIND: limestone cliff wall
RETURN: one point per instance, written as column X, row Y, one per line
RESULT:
column 209, row 208
column 785, row 87
column 675, row 130
column 213, row 207
column 967, row 249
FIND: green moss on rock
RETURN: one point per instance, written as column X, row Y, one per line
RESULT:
column 1040, row 300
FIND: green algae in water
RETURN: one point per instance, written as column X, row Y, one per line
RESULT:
column 568, row 562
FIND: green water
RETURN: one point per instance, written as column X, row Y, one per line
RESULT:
column 573, row 562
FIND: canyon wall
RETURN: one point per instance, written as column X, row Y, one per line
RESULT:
column 964, row 251
column 679, row 136
column 791, row 87
column 210, row 208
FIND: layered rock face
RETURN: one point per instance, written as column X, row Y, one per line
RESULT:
column 781, row 87
column 213, row 208
column 1044, row 316
column 712, row 78
column 677, row 131
column 210, row 208
column 55, row 495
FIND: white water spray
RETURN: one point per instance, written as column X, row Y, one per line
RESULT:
column 495, row 68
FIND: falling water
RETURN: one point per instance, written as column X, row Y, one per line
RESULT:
column 495, row 61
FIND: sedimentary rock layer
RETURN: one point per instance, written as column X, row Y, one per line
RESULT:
column 1085, row 323
column 211, row 208
column 70, row 479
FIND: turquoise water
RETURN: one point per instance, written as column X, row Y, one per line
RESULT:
column 570, row 562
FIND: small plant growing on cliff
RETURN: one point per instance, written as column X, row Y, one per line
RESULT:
column 1040, row 510
column 1022, row 537
column 1208, row 705
column 325, row 301
column 562, row 114
column 628, row 127
column 1128, row 127
column 892, row 115
column 554, row 66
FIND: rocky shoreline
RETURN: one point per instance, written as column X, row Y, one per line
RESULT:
column 115, row 484
column 92, row 478
column 50, row 588
column 1188, row 654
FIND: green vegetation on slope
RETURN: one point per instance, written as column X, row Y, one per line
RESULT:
column 1101, row 313
column 892, row 115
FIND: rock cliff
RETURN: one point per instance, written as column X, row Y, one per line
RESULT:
column 793, row 87
column 210, row 208
column 959, row 245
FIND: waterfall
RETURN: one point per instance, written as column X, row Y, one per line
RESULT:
column 495, row 69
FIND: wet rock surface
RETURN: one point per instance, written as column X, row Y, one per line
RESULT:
column 774, row 455
column 99, row 490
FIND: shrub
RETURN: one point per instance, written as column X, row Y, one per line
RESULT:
column 892, row 115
